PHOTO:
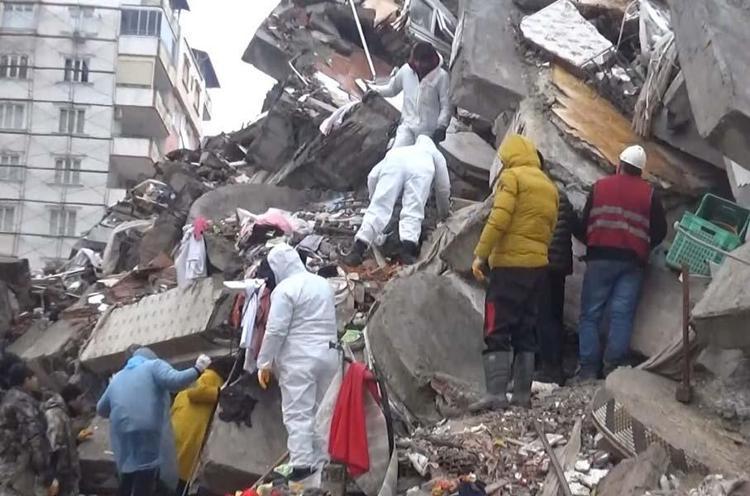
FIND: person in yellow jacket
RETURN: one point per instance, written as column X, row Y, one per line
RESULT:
column 514, row 246
column 191, row 413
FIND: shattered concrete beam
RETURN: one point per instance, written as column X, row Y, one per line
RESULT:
column 486, row 71
column 712, row 40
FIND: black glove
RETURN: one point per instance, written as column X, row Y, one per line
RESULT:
column 439, row 135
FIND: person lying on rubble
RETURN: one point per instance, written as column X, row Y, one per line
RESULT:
column 296, row 346
column 59, row 410
column 551, row 329
column 25, row 461
column 623, row 220
column 427, row 106
column 409, row 173
column 191, row 413
column 136, row 402
column 515, row 243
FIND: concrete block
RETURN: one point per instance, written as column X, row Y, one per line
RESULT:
column 486, row 70
column 712, row 40
column 16, row 274
column 172, row 323
column 427, row 324
column 636, row 476
column 98, row 469
column 721, row 317
column 235, row 455
column 255, row 198
column 46, row 349
column 468, row 156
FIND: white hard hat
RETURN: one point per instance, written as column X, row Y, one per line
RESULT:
column 634, row 155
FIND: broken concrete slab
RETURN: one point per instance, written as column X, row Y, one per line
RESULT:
column 236, row 455
column 98, row 469
column 562, row 32
column 597, row 128
column 720, row 318
column 172, row 323
column 636, row 476
column 256, row 198
column 739, row 182
column 411, row 345
column 637, row 408
column 486, row 70
column 712, row 40
column 468, row 156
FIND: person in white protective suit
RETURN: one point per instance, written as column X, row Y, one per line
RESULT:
column 427, row 106
column 301, row 324
column 409, row 173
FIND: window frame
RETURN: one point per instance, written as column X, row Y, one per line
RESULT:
column 68, row 170
column 76, row 70
column 10, row 170
column 4, row 105
column 17, row 62
column 63, row 229
column 5, row 207
column 140, row 22
column 72, row 120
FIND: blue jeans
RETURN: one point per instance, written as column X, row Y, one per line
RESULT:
column 617, row 284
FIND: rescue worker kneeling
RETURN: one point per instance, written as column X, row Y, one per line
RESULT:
column 407, row 172
column 301, row 324
column 515, row 243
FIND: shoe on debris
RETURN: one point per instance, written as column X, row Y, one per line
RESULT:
column 300, row 473
column 550, row 374
column 523, row 374
column 357, row 255
column 497, row 367
column 409, row 253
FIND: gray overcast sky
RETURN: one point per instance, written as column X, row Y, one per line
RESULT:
column 223, row 28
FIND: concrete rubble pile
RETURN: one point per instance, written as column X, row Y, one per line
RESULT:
column 582, row 79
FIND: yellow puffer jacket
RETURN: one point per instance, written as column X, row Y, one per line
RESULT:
column 524, row 214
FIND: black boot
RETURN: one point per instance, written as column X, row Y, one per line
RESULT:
column 409, row 252
column 300, row 473
column 551, row 373
column 356, row 255
column 523, row 373
column 497, row 366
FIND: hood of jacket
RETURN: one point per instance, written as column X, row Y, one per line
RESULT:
column 517, row 151
column 285, row 262
column 425, row 143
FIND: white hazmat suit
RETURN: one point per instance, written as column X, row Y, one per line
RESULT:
column 301, row 324
column 407, row 172
column 426, row 106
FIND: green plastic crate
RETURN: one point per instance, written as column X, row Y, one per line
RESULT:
column 724, row 214
column 697, row 256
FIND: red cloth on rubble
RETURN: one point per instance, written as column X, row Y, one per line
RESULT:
column 348, row 439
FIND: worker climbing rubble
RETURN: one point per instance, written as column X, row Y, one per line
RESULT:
column 296, row 347
column 427, row 106
column 623, row 220
column 514, row 243
column 409, row 172
column 137, row 403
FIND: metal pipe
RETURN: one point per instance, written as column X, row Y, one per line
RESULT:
column 362, row 37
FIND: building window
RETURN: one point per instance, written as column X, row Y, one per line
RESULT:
column 67, row 170
column 62, row 222
column 78, row 12
column 186, row 72
column 14, row 66
column 197, row 96
column 12, row 115
column 10, row 166
column 72, row 121
column 140, row 22
column 77, row 70
column 18, row 15
column 7, row 218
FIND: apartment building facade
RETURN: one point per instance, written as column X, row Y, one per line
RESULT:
column 92, row 94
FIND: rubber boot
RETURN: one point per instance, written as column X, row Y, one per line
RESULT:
column 409, row 252
column 523, row 374
column 497, row 366
column 356, row 255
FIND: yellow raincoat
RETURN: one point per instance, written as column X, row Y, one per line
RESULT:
column 191, row 413
column 524, row 214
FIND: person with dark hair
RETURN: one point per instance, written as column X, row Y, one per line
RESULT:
column 550, row 328
column 137, row 403
column 7, row 360
column 623, row 220
column 58, row 410
column 427, row 107
column 25, row 461
column 191, row 413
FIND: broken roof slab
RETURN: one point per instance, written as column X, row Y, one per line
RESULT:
column 561, row 31
column 468, row 155
column 595, row 126
column 172, row 323
column 712, row 42
column 486, row 70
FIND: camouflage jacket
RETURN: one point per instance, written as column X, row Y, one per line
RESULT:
column 24, row 449
column 63, row 444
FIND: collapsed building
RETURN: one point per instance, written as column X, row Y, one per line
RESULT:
column 582, row 79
